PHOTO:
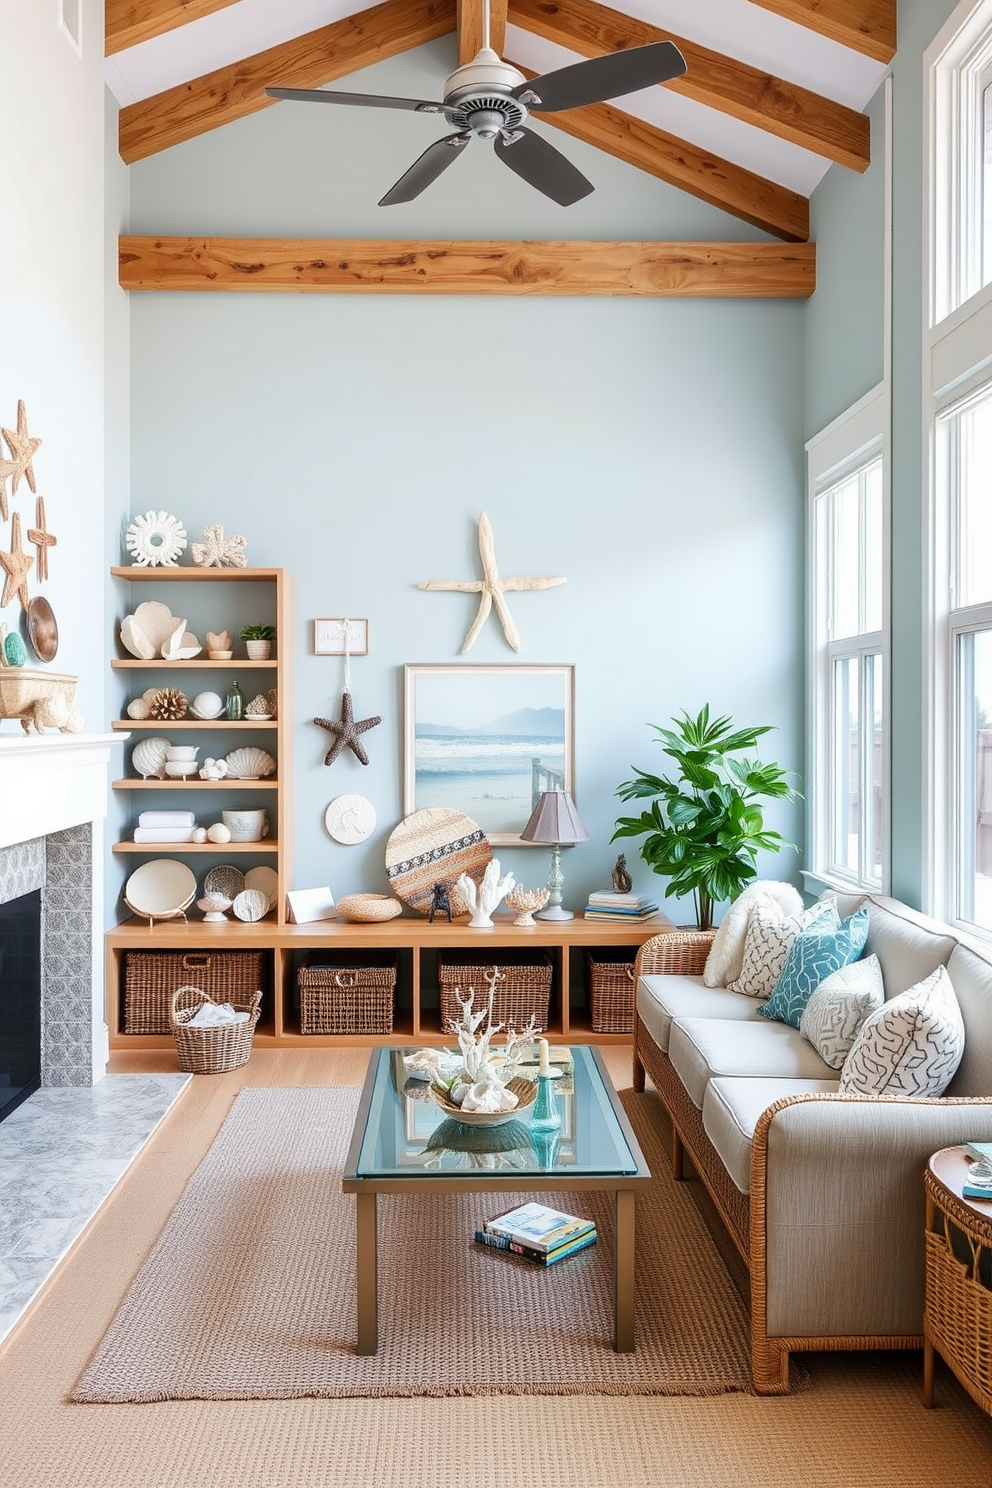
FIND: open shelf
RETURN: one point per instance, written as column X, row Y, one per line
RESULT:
column 130, row 725
column 180, row 849
column 132, row 664
column 228, row 783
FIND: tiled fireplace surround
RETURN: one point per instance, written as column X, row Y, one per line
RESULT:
column 53, row 793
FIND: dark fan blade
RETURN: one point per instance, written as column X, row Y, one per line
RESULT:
column 358, row 100
column 541, row 165
column 603, row 77
column 435, row 159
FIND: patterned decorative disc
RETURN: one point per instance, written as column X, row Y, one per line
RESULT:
column 432, row 846
column 224, row 879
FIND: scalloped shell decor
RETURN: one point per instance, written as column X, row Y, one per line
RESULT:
column 251, row 904
column 146, row 631
column 249, row 763
column 149, row 755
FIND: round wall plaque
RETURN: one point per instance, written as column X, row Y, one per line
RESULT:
column 350, row 819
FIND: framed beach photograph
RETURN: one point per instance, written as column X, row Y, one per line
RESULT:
column 487, row 740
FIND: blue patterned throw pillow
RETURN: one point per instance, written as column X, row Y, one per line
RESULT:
column 816, row 954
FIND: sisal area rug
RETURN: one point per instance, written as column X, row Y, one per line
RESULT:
column 249, row 1293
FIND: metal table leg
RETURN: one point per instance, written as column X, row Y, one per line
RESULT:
column 623, row 1271
column 367, row 1271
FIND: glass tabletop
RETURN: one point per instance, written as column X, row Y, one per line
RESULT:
column 407, row 1135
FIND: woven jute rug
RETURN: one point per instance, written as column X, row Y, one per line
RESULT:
column 249, row 1294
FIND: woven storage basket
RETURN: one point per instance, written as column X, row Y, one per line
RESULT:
column 675, row 953
column 610, row 982
column 349, row 992
column 215, row 1049
column 523, row 991
column 959, row 1310
column 151, row 977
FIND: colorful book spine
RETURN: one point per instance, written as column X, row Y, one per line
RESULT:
column 549, row 1241
column 528, row 1252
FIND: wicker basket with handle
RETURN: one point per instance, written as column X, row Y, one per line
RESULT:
column 348, row 992
column 215, row 1048
column 675, row 953
column 610, row 983
column 523, row 988
column 151, row 977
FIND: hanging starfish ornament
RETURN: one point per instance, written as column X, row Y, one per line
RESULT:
column 492, row 589
column 17, row 565
column 23, row 448
column 346, row 732
column 42, row 539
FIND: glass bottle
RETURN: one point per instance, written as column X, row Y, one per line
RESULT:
column 235, row 705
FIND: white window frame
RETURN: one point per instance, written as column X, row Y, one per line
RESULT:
column 957, row 363
column 848, row 445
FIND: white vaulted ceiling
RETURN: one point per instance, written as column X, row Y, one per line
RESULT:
column 782, row 50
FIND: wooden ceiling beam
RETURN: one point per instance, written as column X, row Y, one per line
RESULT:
column 470, row 14
column 752, row 198
column 867, row 26
column 791, row 113
column 321, row 266
column 127, row 22
column 307, row 61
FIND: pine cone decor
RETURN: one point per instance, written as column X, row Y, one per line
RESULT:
column 167, row 705
column 272, row 698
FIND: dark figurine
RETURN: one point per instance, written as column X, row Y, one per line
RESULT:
column 440, row 903
column 622, row 881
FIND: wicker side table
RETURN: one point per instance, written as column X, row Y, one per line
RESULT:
column 957, row 1317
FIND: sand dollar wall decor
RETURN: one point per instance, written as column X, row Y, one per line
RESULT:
column 350, row 819
column 435, row 845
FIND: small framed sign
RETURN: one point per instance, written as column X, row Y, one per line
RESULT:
column 329, row 637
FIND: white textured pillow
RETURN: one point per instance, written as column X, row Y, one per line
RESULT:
column 834, row 1014
column 723, row 964
column 768, row 943
column 911, row 1046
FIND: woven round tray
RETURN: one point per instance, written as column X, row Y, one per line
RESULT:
column 524, row 1090
column 368, row 907
column 434, row 846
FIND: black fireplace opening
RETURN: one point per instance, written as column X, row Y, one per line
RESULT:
column 20, row 1000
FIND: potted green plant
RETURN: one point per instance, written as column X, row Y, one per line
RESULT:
column 258, row 641
column 705, row 826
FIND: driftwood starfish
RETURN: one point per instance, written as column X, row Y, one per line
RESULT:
column 23, row 448
column 346, row 732
column 41, row 538
column 17, row 565
column 491, row 589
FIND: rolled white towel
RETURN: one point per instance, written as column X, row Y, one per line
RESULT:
column 167, row 819
column 211, row 1014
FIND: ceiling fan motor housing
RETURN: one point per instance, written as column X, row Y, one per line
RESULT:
column 479, row 96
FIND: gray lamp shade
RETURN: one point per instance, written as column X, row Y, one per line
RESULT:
column 555, row 819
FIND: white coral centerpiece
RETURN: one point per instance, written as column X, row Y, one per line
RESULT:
column 482, row 898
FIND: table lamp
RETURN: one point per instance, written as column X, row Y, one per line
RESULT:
column 555, row 820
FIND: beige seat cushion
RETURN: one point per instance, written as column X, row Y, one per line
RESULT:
column 731, row 1108
column 700, row 1048
column 662, row 998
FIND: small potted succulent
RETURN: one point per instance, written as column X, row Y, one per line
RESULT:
column 258, row 641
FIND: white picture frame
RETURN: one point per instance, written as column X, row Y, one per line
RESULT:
column 329, row 637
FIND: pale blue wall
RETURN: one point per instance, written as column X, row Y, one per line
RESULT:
column 650, row 450
column 844, row 359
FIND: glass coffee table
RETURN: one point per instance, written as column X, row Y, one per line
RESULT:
column 403, row 1144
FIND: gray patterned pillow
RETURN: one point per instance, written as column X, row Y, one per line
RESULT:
column 911, row 1046
column 834, row 1014
column 768, row 942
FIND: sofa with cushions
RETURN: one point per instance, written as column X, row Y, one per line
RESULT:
column 833, row 1051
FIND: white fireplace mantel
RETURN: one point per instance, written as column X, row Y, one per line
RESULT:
column 49, row 782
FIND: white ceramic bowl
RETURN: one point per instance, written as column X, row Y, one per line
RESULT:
column 182, row 751
column 179, row 769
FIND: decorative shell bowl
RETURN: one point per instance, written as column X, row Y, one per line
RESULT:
column 524, row 1090
column 525, row 902
column 149, row 756
column 249, row 763
column 368, row 908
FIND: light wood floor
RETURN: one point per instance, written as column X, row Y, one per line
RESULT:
column 860, row 1425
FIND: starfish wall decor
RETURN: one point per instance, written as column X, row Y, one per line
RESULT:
column 492, row 589
column 17, row 565
column 41, row 538
column 23, row 448
column 346, row 732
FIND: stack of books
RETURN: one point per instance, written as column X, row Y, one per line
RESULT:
column 537, row 1233
column 607, row 904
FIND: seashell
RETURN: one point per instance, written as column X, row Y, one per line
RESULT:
column 181, row 644
column 199, row 834
column 149, row 755
column 525, row 902
column 249, row 763
column 207, row 705
column 218, row 833
column 222, row 642
column 138, row 708
column 251, row 904
column 145, row 632
column 258, row 707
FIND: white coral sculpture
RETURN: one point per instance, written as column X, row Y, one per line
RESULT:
column 480, row 1085
column 218, row 551
column 481, row 899
column 156, row 538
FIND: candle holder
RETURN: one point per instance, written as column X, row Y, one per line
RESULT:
column 545, row 1116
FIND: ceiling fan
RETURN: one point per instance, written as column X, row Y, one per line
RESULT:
column 488, row 99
